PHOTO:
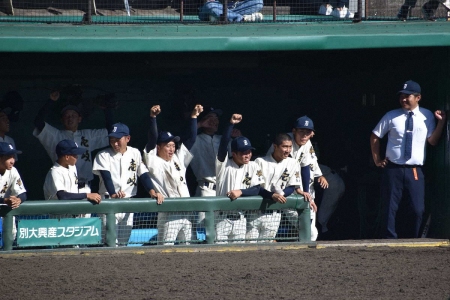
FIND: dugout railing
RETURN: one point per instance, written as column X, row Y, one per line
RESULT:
column 181, row 11
column 209, row 205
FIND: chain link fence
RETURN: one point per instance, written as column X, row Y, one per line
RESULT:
column 210, row 11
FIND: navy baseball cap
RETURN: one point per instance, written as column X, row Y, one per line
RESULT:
column 304, row 123
column 241, row 144
column 68, row 147
column 119, row 130
column 71, row 107
column 8, row 149
column 208, row 110
column 410, row 87
column 165, row 137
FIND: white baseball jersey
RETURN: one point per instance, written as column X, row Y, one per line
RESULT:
column 279, row 175
column 304, row 154
column 91, row 139
column 60, row 178
column 8, row 139
column 11, row 184
column 205, row 151
column 232, row 177
column 169, row 177
column 125, row 169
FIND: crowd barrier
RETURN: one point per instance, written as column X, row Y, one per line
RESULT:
column 211, row 206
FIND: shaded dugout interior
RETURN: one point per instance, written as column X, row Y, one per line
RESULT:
column 345, row 92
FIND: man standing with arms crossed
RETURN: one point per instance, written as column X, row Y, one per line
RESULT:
column 408, row 129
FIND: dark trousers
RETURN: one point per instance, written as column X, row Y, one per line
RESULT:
column 399, row 183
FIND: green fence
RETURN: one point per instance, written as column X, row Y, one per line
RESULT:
column 109, row 207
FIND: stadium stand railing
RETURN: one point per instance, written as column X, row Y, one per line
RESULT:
column 145, row 224
column 180, row 11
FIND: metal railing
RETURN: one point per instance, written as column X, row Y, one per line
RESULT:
column 209, row 205
column 180, row 11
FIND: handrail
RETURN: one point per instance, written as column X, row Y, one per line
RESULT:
column 110, row 207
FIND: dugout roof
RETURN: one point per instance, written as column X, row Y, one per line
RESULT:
column 16, row 37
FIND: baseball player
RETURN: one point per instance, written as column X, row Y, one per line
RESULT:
column 12, row 191
column 91, row 139
column 303, row 152
column 281, row 178
column 61, row 182
column 4, row 129
column 167, row 168
column 119, row 168
column 236, row 177
column 205, row 151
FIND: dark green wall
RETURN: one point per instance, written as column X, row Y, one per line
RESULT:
column 270, row 89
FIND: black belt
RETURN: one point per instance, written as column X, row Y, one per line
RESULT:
column 394, row 165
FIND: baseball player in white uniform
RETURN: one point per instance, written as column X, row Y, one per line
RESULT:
column 303, row 152
column 236, row 177
column 4, row 129
column 61, row 182
column 167, row 168
column 12, row 190
column 281, row 178
column 119, row 168
column 91, row 139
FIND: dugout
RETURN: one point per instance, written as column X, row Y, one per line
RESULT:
column 345, row 77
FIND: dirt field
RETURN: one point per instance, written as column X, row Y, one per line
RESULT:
column 330, row 273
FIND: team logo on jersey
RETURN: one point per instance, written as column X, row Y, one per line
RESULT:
column 19, row 182
column 297, row 174
column 247, row 179
column 132, row 166
column 312, row 150
column 285, row 175
column 85, row 156
column 177, row 167
column 301, row 157
column 4, row 189
column 84, row 142
column 132, row 181
column 311, row 166
column 181, row 178
column 259, row 174
column 76, row 177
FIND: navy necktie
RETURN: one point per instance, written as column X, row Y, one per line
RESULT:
column 408, row 136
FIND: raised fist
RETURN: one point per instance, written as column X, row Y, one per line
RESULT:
column 236, row 118
column 196, row 111
column 155, row 110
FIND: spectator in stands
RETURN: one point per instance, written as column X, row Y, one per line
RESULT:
column 236, row 177
column 238, row 11
column 167, row 168
column 61, row 182
column 428, row 9
column 91, row 139
column 119, row 167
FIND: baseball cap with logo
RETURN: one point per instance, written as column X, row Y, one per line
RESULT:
column 8, row 149
column 304, row 123
column 410, row 87
column 165, row 137
column 208, row 110
column 241, row 144
column 71, row 107
column 119, row 130
column 67, row 147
